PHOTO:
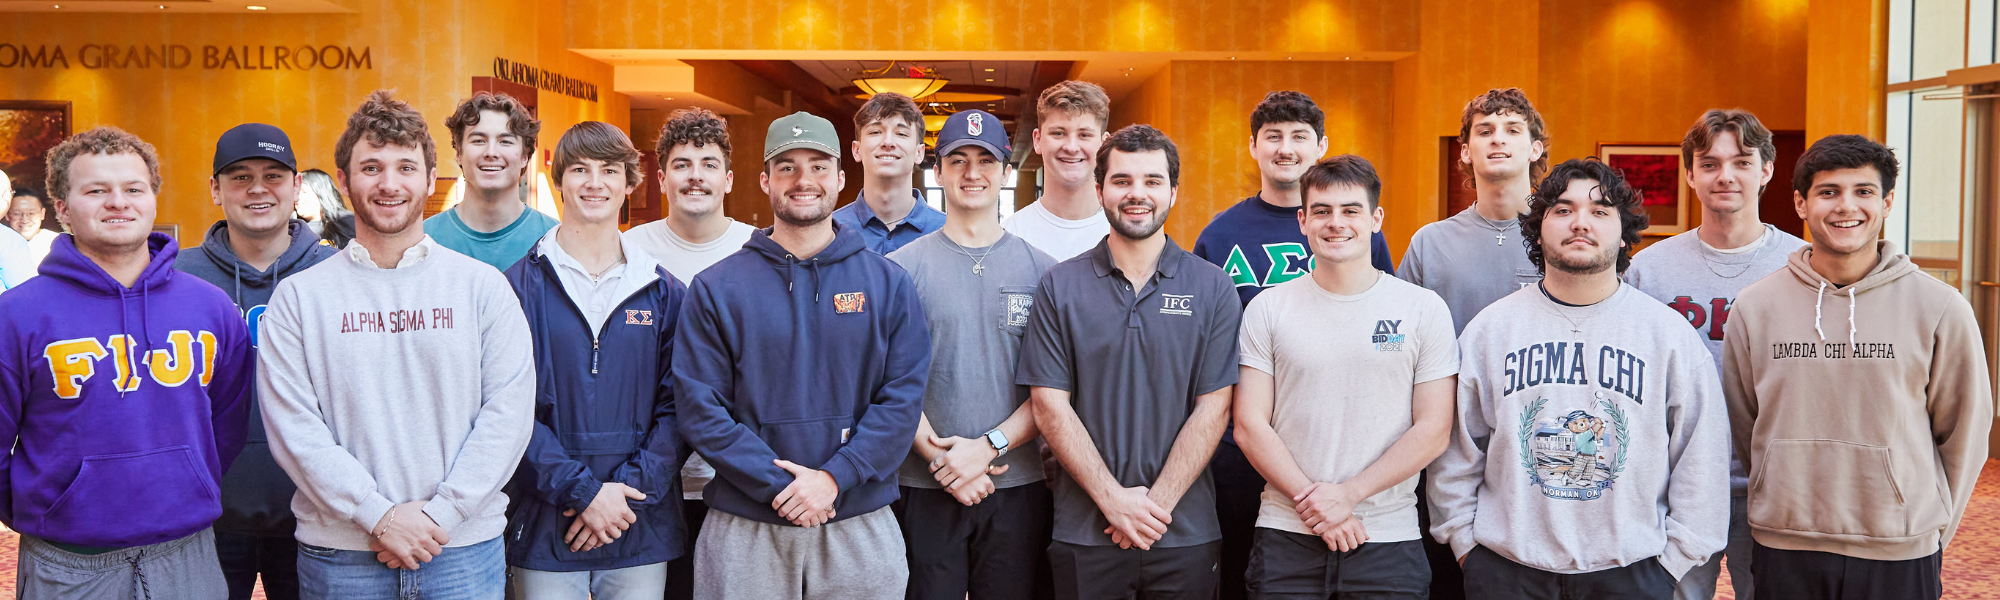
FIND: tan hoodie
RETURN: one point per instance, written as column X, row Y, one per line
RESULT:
column 1862, row 421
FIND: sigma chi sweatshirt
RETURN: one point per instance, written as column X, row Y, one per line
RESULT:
column 1588, row 438
column 1863, row 422
column 385, row 386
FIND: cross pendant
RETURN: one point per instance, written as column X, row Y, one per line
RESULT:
column 1500, row 239
column 979, row 270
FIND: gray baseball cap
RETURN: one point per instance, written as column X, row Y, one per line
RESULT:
column 801, row 130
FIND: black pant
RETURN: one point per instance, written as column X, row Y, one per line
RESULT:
column 680, row 571
column 1490, row 575
column 992, row 550
column 1447, row 582
column 245, row 557
column 1789, row 574
column 1295, row 566
column 1239, row 493
column 1108, row 572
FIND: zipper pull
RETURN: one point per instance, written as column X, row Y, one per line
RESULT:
column 593, row 357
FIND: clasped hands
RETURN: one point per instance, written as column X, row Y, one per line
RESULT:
column 965, row 468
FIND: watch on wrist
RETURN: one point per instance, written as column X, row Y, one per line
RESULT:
column 998, row 440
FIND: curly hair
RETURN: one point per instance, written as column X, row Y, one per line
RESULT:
column 600, row 141
column 1287, row 106
column 1500, row 102
column 520, row 122
column 1075, row 98
column 383, row 120
column 1835, row 152
column 1615, row 193
column 888, row 104
column 1139, row 138
column 694, row 126
column 104, row 139
column 1750, row 134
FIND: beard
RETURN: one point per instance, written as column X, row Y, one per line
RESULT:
column 388, row 221
column 1582, row 263
column 1140, row 230
column 803, row 216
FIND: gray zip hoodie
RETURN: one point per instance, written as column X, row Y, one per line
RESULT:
column 1588, row 438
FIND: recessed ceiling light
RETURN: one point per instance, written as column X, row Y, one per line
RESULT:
column 254, row 7
column 989, row 70
column 989, row 80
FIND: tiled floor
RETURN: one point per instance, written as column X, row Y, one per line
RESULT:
column 1971, row 566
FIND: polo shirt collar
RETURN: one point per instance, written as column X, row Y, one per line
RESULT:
column 1169, row 264
column 924, row 218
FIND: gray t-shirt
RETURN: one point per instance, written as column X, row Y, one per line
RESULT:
column 1133, row 360
column 975, row 321
column 1470, row 261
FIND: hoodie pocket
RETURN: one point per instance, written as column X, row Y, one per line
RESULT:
column 163, row 489
column 1793, row 478
column 808, row 442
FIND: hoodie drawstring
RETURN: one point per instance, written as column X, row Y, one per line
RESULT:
column 1819, row 298
column 125, row 330
column 1850, row 316
column 815, row 272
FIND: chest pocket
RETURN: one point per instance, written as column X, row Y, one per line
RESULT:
column 1016, row 303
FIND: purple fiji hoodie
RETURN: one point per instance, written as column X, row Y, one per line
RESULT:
column 123, row 405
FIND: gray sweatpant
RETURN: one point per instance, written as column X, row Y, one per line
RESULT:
column 855, row 559
column 183, row 569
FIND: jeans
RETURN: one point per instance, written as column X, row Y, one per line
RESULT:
column 246, row 557
column 643, row 582
column 475, row 572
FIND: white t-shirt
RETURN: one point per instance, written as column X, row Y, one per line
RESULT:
column 683, row 258
column 1345, row 367
column 1059, row 237
column 17, row 259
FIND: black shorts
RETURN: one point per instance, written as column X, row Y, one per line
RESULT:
column 1093, row 572
column 1297, row 566
column 1788, row 574
column 990, row 550
column 1490, row 575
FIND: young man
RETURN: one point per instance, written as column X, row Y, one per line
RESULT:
column 1131, row 357
column 1866, row 437
column 399, row 471
column 800, row 367
column 255, row 245
column 1366, row 388
column 598, row 519
column 889, row 144
column 1070, row 118
column 694, row 154
column 1474, row 258
column 1258, row 243
column 122, row 391
column 974, row 512
column 25, row 217
column 1728, row 156
column 1589, row 459
column 17, row 256
column 494, row 137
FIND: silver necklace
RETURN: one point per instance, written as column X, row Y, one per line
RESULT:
column 1499, row 233
column 978, row 262
column 1750, row 261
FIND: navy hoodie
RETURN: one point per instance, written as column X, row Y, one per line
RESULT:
column 256, row 494
column 820, row 361
column 604, row 412
column 123, row 405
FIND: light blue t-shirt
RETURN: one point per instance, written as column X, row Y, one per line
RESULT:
column 501, row 248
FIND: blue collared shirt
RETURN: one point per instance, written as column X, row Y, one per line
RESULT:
column 921, row 221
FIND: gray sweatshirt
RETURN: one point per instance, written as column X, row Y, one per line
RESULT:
column 1588, row 438
column 1701, row 284
column 385, row 386
column 1470, row 261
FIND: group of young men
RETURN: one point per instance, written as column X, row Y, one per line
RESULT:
column 890, row 400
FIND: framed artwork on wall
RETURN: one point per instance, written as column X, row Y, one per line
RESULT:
column 1655, row 170
column 28, row 129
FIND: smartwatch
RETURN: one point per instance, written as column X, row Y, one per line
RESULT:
column 998, row 440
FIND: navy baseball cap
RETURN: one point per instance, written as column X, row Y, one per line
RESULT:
column 253, row 140
column 978, row 128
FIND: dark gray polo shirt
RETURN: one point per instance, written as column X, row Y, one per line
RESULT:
column 1133, row 364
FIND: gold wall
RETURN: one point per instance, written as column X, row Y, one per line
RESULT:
column 428, row 52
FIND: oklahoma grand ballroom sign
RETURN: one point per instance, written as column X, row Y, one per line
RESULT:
column 304, row 57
